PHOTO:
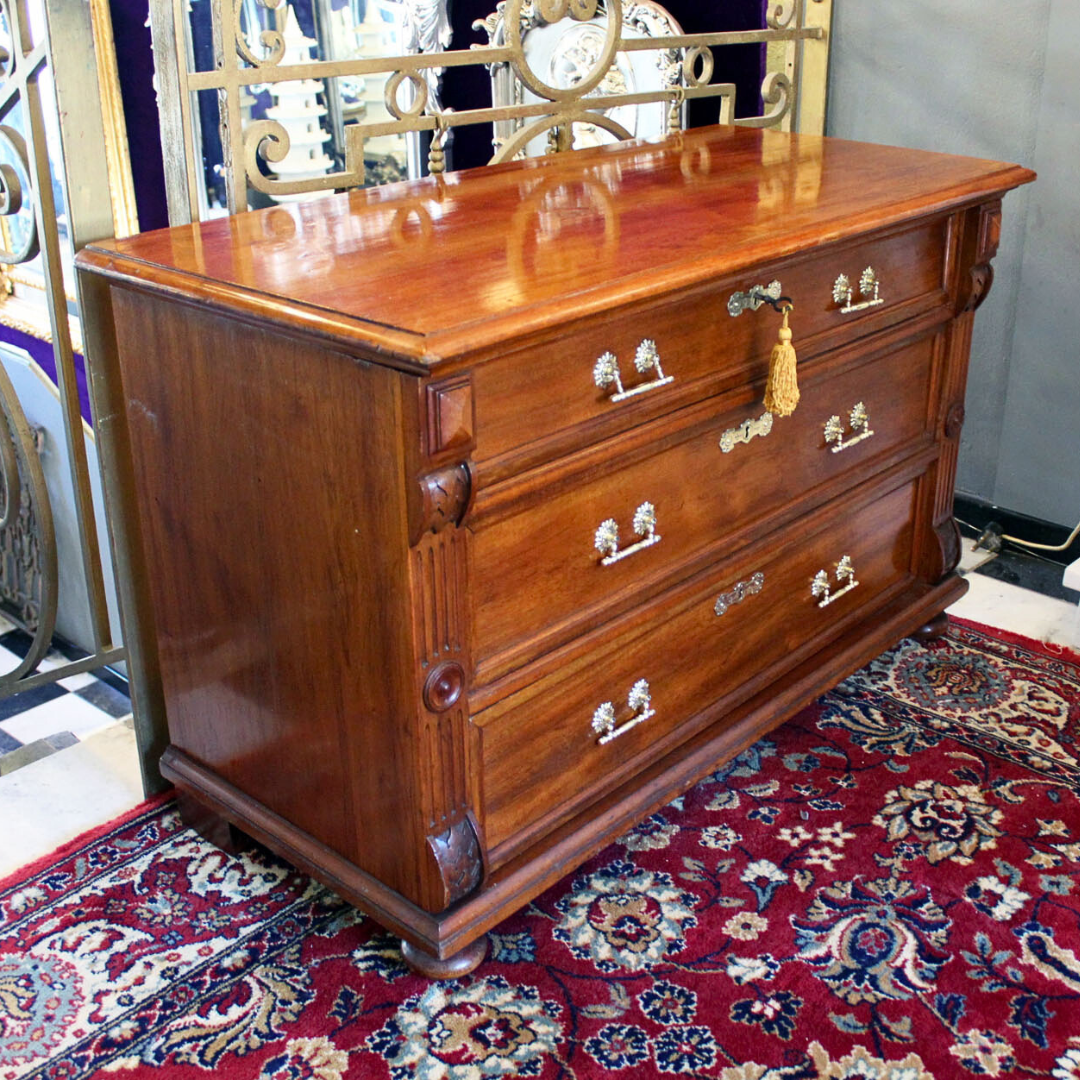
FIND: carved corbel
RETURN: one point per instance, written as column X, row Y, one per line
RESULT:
column 947, row 555
column 954, row 420
column 438, row 571
column 981, row 274
column 459, row 859
column 444, row 498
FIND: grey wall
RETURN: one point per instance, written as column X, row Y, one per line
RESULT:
column 990, row 79
column 1039, row 464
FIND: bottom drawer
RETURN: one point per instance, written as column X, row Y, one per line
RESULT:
column 567, row 737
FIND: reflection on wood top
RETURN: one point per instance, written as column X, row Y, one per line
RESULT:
column 427, row 269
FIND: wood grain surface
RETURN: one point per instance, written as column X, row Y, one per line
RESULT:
column 275, row 528
column 541, row 757
column 357, row 460
column 432, row 268
column 539, row 580
column 702, row 348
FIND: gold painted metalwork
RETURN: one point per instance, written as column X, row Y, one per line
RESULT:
column 437, row 151
column 607, row 535
column 869, row 288
column 739, row 592
column 746, row 431
column 29, row 578
column 753, row 298
column 821, row 587
column 860, row 429
column 28, row 556
column 241, row 63
column 639, row 702
column 813, row 69
column 578, row 49
column 647, row 358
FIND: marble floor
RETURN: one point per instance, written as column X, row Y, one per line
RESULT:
column 1007, row 606
column 95, row 776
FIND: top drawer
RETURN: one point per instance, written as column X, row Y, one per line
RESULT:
column 538, row 402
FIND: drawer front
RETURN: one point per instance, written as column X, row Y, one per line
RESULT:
column 565, row 739
column 680, row 351
column 539, row 576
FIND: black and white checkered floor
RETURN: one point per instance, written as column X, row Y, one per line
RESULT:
column 56, row 715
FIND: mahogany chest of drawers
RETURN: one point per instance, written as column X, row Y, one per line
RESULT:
column 459, row 537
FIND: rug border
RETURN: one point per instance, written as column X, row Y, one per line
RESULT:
column 1045, row 648
column 42, row 863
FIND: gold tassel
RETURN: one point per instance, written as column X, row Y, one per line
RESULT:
column 782, row 389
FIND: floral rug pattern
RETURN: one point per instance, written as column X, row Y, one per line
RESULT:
column 886, row 887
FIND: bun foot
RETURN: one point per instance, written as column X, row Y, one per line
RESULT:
column 453, row 967
column 933, row 630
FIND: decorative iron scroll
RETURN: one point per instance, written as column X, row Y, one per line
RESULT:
column 29, row 582
column 28, row 566
column 248, row 58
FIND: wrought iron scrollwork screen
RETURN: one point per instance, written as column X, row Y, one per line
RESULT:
column 32, row 90
column 254, row 54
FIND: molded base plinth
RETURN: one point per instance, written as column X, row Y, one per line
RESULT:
column 453, row 967
column 932, row 630
column 210, row 826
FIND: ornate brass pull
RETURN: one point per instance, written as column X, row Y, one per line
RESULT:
column 607, row 535
column 639, row 702
column 745, row 431
column 860, row 429
column 753, row 298
column 869, row 286
column 647, row 358
column 845, row 575
column 738, row 593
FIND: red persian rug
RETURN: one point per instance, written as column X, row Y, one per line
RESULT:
column 887, row 887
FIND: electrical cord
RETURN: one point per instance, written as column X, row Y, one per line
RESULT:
column 1044, row 547
column 993, row 527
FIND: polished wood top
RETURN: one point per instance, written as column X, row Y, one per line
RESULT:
column 427, row 269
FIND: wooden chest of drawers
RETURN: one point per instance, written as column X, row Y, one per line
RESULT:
column 458, row 534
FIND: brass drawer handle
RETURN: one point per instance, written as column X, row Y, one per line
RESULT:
column 845, row 575
column 607, row 535
column 745, row 431
column 738, row 593
column 869, row 287
column 860, row 429
column 639, row 702
column 647, row 358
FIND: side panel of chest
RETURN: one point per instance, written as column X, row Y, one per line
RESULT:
column 275, row 516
